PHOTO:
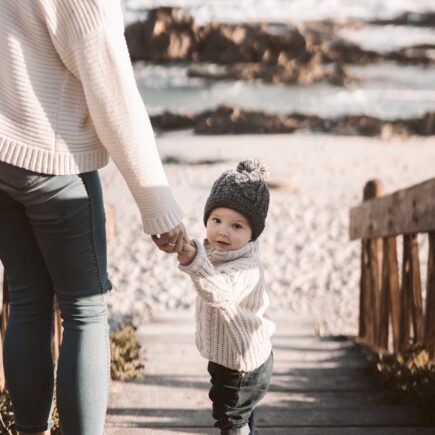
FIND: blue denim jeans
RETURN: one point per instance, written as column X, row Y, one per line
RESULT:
column 53, row 242
column 235, row 394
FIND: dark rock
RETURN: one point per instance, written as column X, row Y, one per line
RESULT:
column 358, row 125
column 340, row 50
column 424, row 126
column 236, row 121
column 169, row 121
column 165, row 35
column 409, row 18
column 229, row 44
column 273, row 53
column 291, row 72
column 415, row 55
column 227, row 120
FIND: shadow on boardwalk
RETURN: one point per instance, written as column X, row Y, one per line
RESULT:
column 319, row 387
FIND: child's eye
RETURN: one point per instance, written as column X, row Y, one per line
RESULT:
column 237, row 226
column 216, row 220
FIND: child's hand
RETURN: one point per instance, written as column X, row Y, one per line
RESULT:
column 187, row 253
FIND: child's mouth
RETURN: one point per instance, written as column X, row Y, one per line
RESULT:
column 222, row 244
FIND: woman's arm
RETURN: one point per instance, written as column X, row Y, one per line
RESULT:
column 90, row 41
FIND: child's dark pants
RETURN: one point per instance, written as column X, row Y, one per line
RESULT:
column 235, row 394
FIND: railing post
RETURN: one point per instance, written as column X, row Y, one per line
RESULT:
column 389, row 295
column 407, row 212
column 411, row 301
column 371, row 275
column 430, row 298
column 417, row 303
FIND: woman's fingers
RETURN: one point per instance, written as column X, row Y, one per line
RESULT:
column 172, row 241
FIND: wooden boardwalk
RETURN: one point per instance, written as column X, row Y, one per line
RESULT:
column 319, row 387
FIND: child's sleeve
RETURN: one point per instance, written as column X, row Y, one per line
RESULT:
column 224, row 291
column 216, row 288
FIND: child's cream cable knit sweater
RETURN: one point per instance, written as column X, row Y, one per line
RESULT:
column 68, row 98
column 231, row 329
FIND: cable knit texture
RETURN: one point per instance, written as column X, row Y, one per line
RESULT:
column 231, row 329
column 68, row 99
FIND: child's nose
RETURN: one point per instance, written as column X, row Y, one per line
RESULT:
column 223, row 231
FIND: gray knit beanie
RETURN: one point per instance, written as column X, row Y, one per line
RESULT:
column 244, row 190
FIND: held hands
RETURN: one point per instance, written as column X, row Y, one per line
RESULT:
column 177, row 241
column 173, row 240
column 187, row 254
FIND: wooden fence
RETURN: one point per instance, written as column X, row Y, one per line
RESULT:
column 57, row 330
column 389, row 303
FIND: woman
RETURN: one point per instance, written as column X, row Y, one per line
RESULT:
column 68, row 99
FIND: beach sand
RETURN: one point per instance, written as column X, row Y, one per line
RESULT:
column 311, row 266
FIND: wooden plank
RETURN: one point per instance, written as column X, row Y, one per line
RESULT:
column 371, row 276
column 412, row 305
column 270, row 429
column 417, row 303
column 366, row 308
column 284, row 416
column 173, row 398
column 376, row 246
column 430, row 298
column 405, row 295
column 362, row 326
column 384, row 300
column 393, row 286
column 406, row 211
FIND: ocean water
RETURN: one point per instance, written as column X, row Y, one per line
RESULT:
column 295, row 11
column 386, row 90
column 389, row 38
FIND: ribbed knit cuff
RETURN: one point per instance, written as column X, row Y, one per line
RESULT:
column 35, row 159
column 164, row 223
column 159, row 211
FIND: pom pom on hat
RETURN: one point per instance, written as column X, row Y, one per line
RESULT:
column 254, row 167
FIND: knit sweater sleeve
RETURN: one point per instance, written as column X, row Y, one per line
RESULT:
column 223, row 290
column 214, row 287
column 88, row 36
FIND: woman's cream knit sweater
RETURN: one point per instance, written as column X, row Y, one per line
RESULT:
column 231, row 329
column 68, row 99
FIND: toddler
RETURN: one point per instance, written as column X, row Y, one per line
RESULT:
column 231, row 330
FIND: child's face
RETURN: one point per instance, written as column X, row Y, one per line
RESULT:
column 227, row 229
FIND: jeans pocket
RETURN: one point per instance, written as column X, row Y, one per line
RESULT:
column 18, row 178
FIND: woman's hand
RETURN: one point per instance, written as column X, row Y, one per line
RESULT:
column 173, row 240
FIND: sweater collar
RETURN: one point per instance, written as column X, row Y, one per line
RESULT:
column 248, row 250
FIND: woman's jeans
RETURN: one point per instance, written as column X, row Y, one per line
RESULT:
column 235, row 394
column 53, row 242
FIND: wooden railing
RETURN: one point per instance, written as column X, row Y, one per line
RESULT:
column 57, row 330
column 390, row 303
